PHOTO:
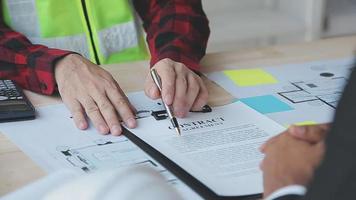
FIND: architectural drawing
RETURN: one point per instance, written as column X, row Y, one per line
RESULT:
column 311, row 90
column 327, row 91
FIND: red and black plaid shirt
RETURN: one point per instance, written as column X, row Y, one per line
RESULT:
column 176, row 29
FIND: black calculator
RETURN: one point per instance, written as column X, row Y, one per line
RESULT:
column 13, row 103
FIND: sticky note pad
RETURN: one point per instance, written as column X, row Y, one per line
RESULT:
column 266, row 104
column 305, row 123
column 250, row 77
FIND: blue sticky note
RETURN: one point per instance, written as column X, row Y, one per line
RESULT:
column 266, row 104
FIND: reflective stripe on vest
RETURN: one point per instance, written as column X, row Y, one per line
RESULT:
column 62, row 24
column 117, row 38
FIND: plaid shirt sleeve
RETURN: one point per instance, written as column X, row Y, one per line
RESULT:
column 29, row 65
column 176, row 29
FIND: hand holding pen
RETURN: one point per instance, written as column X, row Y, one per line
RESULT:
column 182, row 88
column 168, row 108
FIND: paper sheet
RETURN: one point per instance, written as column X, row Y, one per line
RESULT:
column 54, row 143
column 219, row 148
column 311, row 89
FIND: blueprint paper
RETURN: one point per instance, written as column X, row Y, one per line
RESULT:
column 54, row 143
column 312, row 89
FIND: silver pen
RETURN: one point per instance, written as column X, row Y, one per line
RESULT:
column 172, row 118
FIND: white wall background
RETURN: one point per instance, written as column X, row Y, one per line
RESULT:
column 239, row 24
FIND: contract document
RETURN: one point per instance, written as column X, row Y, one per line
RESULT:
column 220, row 149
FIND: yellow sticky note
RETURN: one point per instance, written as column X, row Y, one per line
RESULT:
column 305, row 123
column 250, row 77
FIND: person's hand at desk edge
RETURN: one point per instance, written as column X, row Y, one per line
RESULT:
column 290, row 160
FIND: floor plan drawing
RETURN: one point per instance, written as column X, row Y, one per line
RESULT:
column 56, row 144
column 290, row 94
column 327, row 91
column 107, row 154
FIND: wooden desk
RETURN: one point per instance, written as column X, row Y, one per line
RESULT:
column 16, row 169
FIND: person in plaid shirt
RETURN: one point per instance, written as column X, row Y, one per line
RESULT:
column 177, row 34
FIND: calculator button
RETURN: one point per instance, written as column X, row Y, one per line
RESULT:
column 3, row 98
column 20, row 97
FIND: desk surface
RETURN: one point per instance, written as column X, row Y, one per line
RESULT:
column 16, row 169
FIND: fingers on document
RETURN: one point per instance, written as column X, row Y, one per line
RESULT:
column 77, row 113
column 108, row 112
column 190, row 94
column 168, row 79
column 104, row 110
column 193, row 90
column 123, row 107
column 311, row 133
column 151, row 90
column 202, row 98
column 181, row 99
column 94, row 114
column 269, row 142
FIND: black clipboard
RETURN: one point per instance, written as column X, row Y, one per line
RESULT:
column 183, row 175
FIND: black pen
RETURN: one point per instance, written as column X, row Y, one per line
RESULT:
column 172, row 118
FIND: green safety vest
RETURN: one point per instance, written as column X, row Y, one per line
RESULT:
column 104, row 31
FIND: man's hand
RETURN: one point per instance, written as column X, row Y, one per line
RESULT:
column 289, row 161
column 309, row 133
column 181, row 87
column 88, row 90
column 312, row 133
